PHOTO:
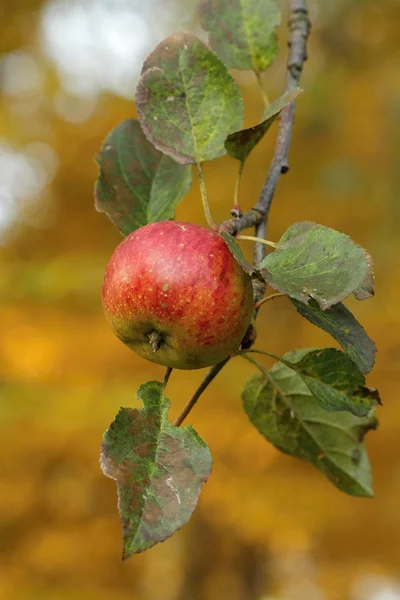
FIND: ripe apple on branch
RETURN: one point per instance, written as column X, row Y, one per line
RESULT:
column 184, row 296
column 174, row 293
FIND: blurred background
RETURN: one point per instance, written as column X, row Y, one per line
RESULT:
column 268, row 527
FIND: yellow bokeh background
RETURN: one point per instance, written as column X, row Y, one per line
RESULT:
column 267, row 527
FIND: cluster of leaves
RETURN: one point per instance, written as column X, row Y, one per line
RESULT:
column 312, row 404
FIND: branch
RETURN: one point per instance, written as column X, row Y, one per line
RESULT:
column 299, row 30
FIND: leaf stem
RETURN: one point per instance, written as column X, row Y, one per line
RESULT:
column 167, row 376
column 212, row 373
column 265, row 372
column 252, row 238
column 236, row 192
column 204, row 197
column 267, row 299
column 269, row 354
column 264, row 94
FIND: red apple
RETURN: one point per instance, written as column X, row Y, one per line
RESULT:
column 175, row 295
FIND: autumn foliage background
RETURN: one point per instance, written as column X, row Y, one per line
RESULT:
column 267, row 526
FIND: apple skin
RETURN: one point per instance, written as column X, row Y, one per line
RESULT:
column 175, row 295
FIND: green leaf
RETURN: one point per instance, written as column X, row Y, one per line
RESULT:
column 241, row 143
column 137, row 184
column 160, row 470
column 289, row 417
column 336, row 383
column 187, row 100
column 242, row 32
column 340, row 323
column 313, row 261
column 237, row 252
column 334, row 380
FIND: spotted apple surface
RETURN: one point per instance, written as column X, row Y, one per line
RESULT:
column 175, row 295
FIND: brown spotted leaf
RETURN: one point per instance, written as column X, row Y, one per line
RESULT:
column 137, row 183
column 313, row 261
column 188, row 102
column 160, row 470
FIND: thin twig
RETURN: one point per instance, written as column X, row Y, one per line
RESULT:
column 212, row 373
column 299, row 30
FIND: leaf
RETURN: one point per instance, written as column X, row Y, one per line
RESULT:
column 241, row 143
column 137, row 184
column 159, row 469
column 340, row 323
column 237, row 252
column 242, row 32
column 188, row 102
column 335, row 382
column 313, row 261
column 292, row 420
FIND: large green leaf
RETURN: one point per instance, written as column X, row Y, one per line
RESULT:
column 340, row 323
column 285, row 412
column 137, row 183
column 242, row 32
column 187, row 100
column 159, row 469
column 313, row 261
column 240, row 143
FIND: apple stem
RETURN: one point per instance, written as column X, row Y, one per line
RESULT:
column 156, row 339
column 167, row 376
column 251, row 238
column 204, row 198
column 212, row 373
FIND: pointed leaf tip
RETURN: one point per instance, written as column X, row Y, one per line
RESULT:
column 241, row 143
column 340, row 323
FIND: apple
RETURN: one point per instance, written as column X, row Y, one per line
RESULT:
column 175, row 295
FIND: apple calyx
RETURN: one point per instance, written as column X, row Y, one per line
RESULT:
column 156, row 339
